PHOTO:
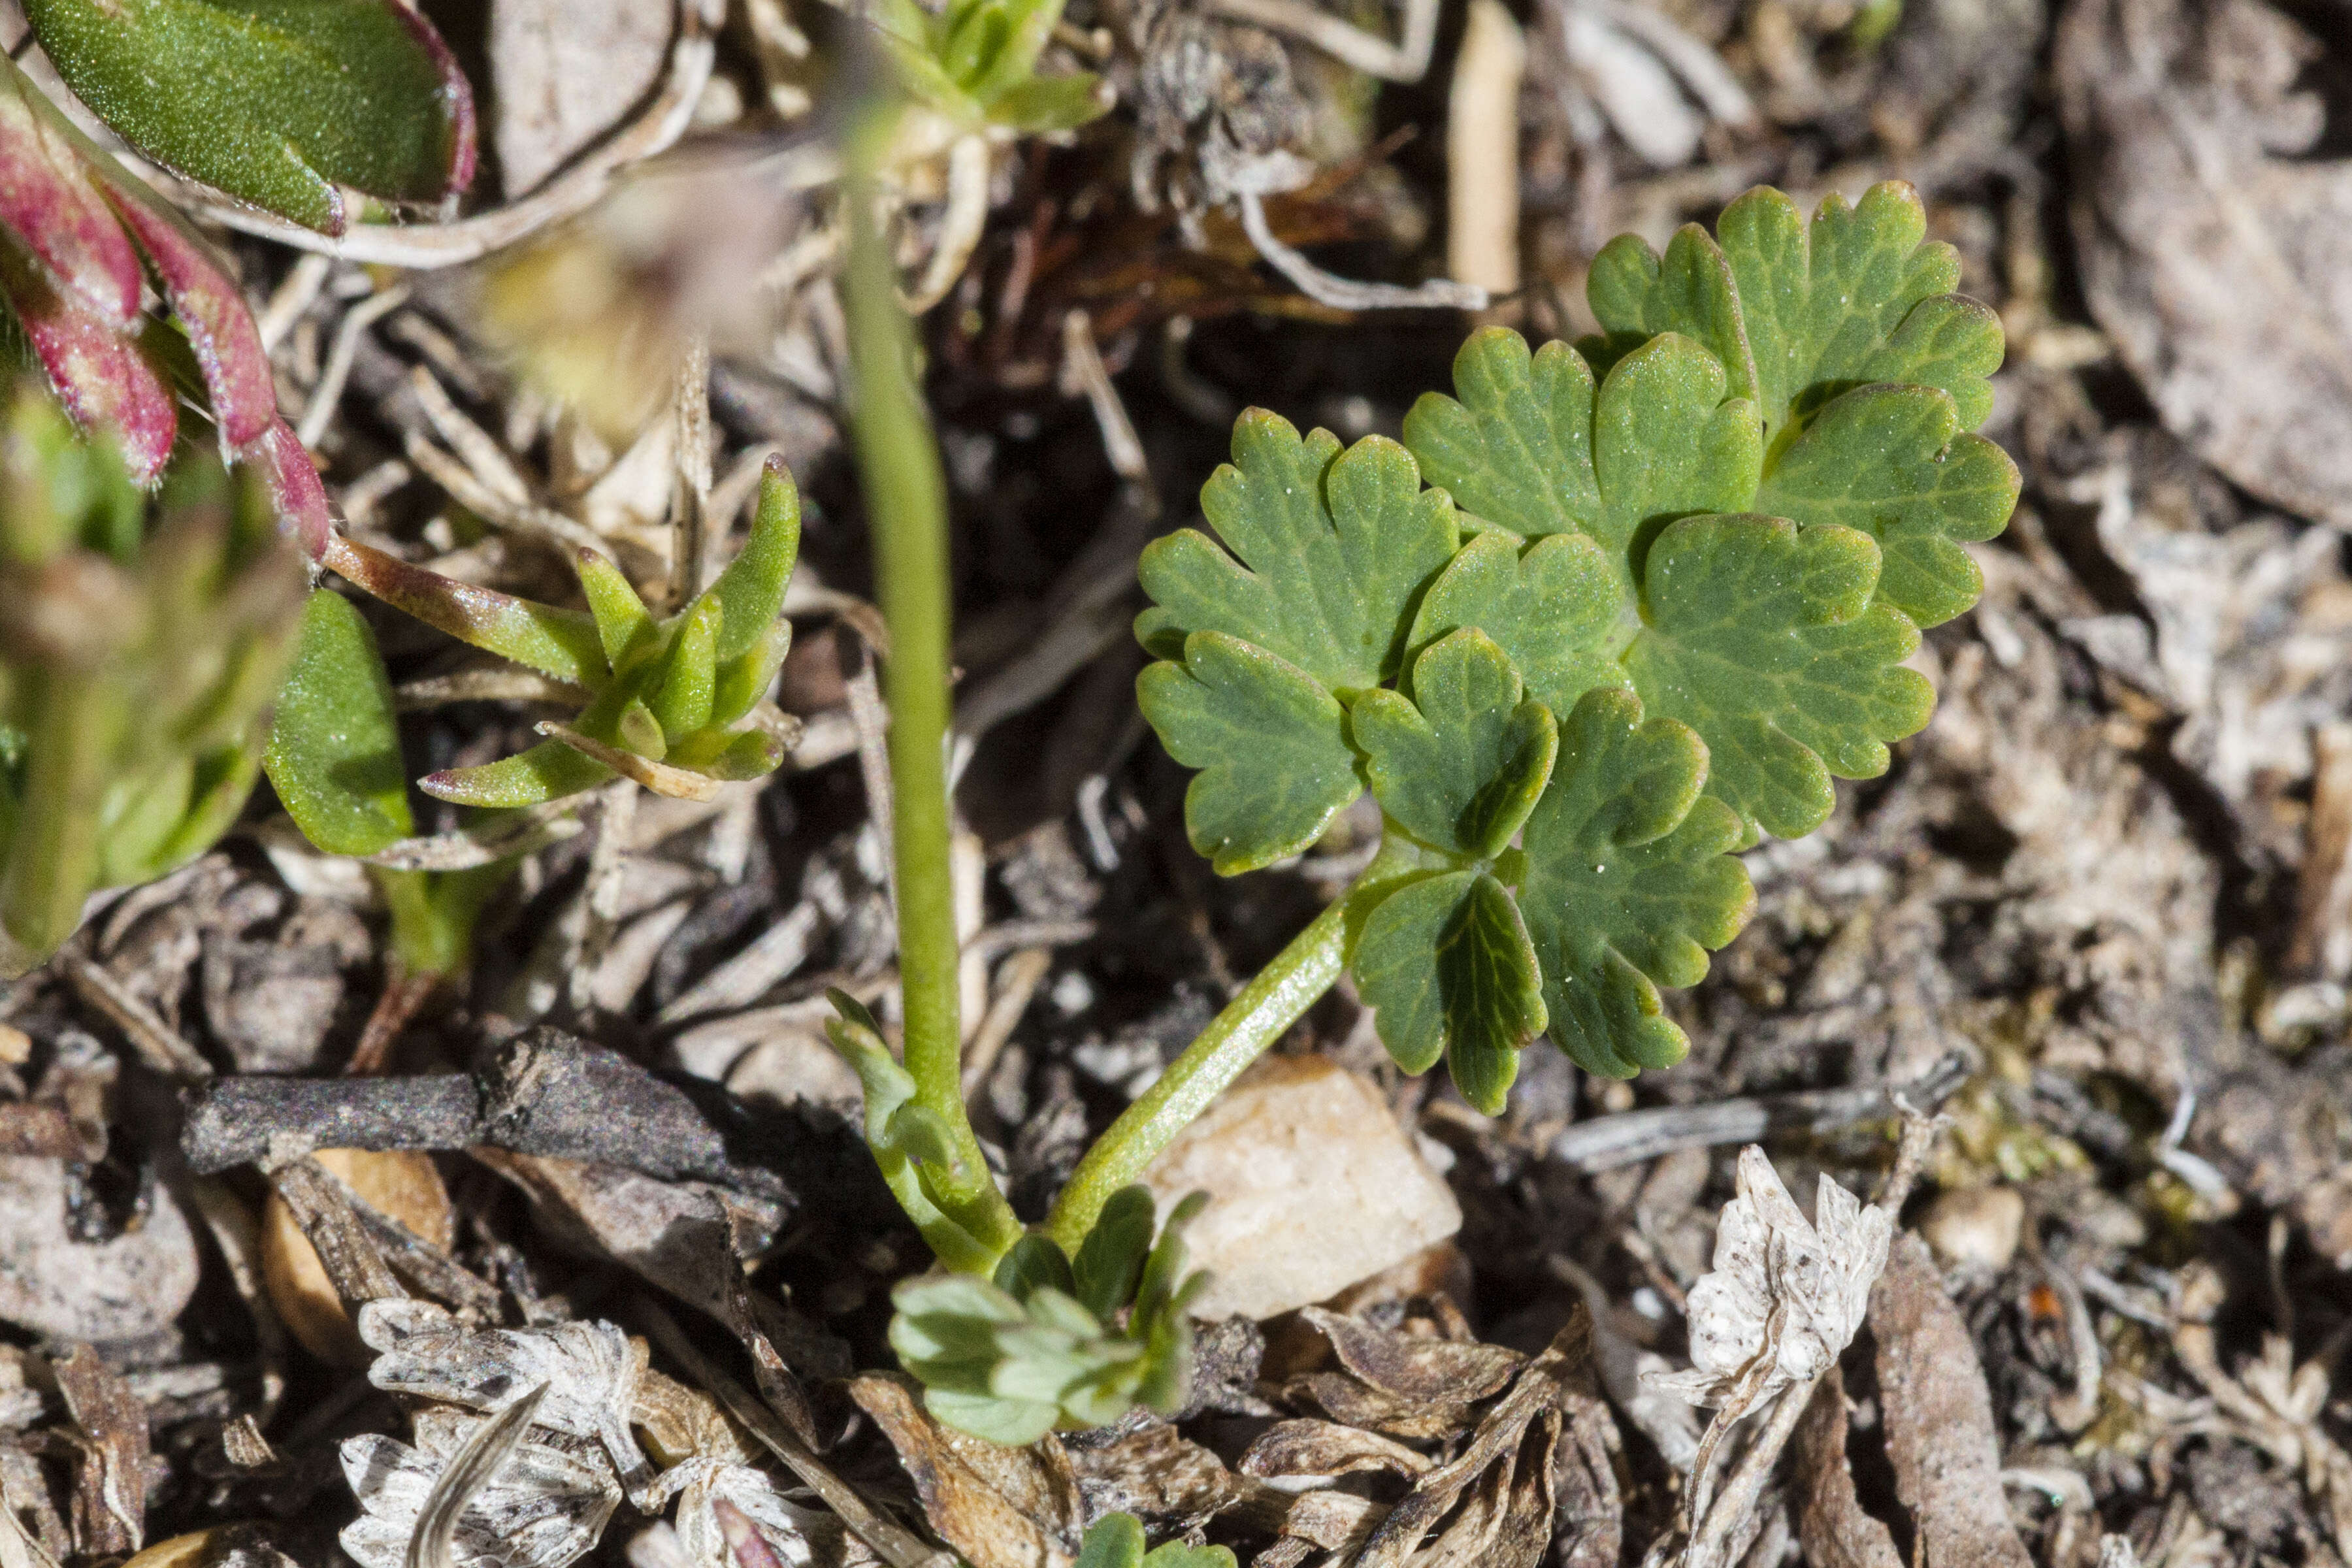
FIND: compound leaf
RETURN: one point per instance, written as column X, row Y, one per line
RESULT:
column 1627, row 882
column 1763, row 638
column 1665, row 445
column 1518, row 449
column 1556, row 607
column 1332, row 547
column 1447, row 968
column 1893, row 462
column 1460, row 763
column 1637, row 294
column 1270, row 742
column 275, row 101
column 1855, row 297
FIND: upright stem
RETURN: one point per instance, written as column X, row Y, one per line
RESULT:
column 52, row 852
column 1299, row 976
column 905, row 498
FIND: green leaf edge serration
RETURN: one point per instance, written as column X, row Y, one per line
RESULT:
column 1703, row 543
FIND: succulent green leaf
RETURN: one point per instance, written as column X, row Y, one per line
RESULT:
column 1460, row 763
column 1448, row 971
column 565, row 644
column 1764, row 641
column 1518, row 449
column 1270, row 742
column 625, row 627
column 1555, row 607
column 1045, row 104
column 1329, row 551
column 1857, row 296
column 1893, row 462
column 745, row 679
column 690, row 674
column 750, row 591
column 1627, row 883
column 548, row 771
column 335, row 746
column 275, row 101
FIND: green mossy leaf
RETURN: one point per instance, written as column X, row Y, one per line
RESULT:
column 1764, row 640
column 1893, row 462
column 1460, row 763
column 1271, row 745
column 275, row 101
column 335, row 746
column 1556, row 607
column 1627, row 882
column 1446, row 966
column 1329, row 551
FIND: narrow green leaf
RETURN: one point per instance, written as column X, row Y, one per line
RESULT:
column 625, row 627
column 1458, row 764
column 1447, row 968
column 1045, row 104
column 335, row 746
column 548, row 771
column 1556, row 607
column 689, row 680
column 1333, row 547
column 1628, row 881
column 560, row 643
column 1271, row 745
column 1764, row 641
column 750, row 591
column 1891, row 461
column 745, row 679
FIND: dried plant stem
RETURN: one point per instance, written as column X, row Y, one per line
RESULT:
column 1739, row 1494
column 1271, row 1002
column 470, row 1470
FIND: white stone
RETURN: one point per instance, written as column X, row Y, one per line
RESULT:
column 1976, row 1227
column 1312, row 1186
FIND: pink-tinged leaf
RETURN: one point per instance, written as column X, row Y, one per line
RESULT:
column 210, row 307
column 292, row 483
column 46, row 199
column 100, row 376
column 465, row 141
column 560, row 643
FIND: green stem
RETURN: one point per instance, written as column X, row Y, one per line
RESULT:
column 1282, row 991
column 906, row 498
column 53, row 852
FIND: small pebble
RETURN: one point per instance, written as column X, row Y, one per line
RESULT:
column 1975, row 1228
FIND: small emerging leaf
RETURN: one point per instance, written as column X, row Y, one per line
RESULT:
column 1271, row 745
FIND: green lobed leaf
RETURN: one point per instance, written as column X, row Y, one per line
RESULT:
column 1270, row 744
column 1460, row 763
column 1627, row 881
column 1330, row 551
column 1110, row 1261
column 275, row 101
column 1446, row 965
column 1113, row 1540
column 1518, row 449
column 1893, row 462
column 1764, row 640
column 333, row 756
column 1637, row 294
column 1555, row 607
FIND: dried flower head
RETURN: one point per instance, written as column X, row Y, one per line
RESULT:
column 542, row 1509
column 1784, row 1298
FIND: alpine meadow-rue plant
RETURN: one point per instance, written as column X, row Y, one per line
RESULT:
column 1608, row 615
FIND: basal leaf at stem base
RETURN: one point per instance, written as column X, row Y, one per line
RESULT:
column 1893, row 462
column 1446, row 966
column 1764, row 640
column 275, row 101
column 1328, row 551
column 1460, row 763
column 1270, row 744
column 1627, row 882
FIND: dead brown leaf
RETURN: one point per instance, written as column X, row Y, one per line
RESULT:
column 1836, row 1531
column 110, row 1501
column 1001, row 1507
column 1938, row 1418
column 1310, row 1448
column 1405, row 1386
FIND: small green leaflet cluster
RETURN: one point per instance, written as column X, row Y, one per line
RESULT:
column 1116, row 1540
column 1042, row 1345
column 975, row 63
column 665, row 703
column 1661, row 595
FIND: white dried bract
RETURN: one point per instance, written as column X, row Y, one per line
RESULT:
column 702, row 1481
column 1784, row 1298
column 589, row 1370
column 542, row 1509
